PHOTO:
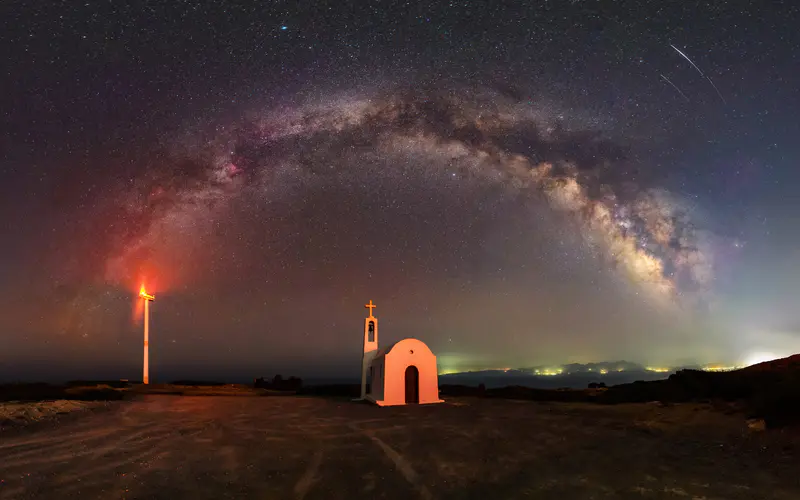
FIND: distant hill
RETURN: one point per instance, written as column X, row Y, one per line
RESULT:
column 768, row 391
column 573, row 376
column 790, row 364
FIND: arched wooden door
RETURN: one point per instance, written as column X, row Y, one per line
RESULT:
column 412, row 385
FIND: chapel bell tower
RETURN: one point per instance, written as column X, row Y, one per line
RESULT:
column 370, row 346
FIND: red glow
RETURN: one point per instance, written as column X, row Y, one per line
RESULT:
column 137, row 311
column 157, row 272
column 144, row 282
column 157, row 192
column 232, row 170
column 138, row 303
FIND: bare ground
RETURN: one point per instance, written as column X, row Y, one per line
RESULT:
column 201, row 390
column 14, row 414
column 296, row 447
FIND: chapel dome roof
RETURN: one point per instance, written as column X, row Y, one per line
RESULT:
column 409, row 343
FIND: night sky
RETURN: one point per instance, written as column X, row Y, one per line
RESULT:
column 514, row 184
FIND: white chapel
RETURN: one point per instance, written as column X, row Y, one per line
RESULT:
column 402, row 373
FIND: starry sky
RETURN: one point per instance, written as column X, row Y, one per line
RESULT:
column 515, row 183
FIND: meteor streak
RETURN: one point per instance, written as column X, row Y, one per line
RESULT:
column 674, row 86
column 718, row 92
column 699, row 71
column 687, row 58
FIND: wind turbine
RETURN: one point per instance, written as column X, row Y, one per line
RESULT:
column 147, row 299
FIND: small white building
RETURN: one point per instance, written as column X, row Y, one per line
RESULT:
column 402, row 373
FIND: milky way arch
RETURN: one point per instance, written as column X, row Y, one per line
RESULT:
column 645, row 234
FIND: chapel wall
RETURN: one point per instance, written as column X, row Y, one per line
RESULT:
column 400, row 358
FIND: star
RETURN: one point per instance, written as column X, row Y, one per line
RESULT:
column 496, row 166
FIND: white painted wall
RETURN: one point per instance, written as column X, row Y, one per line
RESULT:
column 370, row 350
column 376, row 386
column 405, row 353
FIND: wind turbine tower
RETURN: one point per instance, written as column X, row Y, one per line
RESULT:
column 146, row 366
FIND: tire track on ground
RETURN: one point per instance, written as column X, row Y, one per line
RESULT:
column 309, row 477
column 402, row 465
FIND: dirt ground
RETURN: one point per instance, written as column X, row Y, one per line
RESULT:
column 301, row 447
column 15, row 413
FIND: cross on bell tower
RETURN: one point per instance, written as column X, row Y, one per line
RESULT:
column 370, row 346
column 370, row 306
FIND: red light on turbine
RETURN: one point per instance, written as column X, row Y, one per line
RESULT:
column 143, row 294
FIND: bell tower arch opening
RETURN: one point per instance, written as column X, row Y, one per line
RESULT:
column 370, row 348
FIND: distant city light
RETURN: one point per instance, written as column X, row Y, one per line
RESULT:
column 549, row 372
column 759, row 357
column 719, row 368
column 553, row 371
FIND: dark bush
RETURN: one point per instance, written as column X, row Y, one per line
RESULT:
column 198, row 383
column 117, row 384
column 46, row 392
column 333, row 390
column 459, row 390
column 30, row 392
column 96, row 395
column 778, row 405
column 278, row 383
